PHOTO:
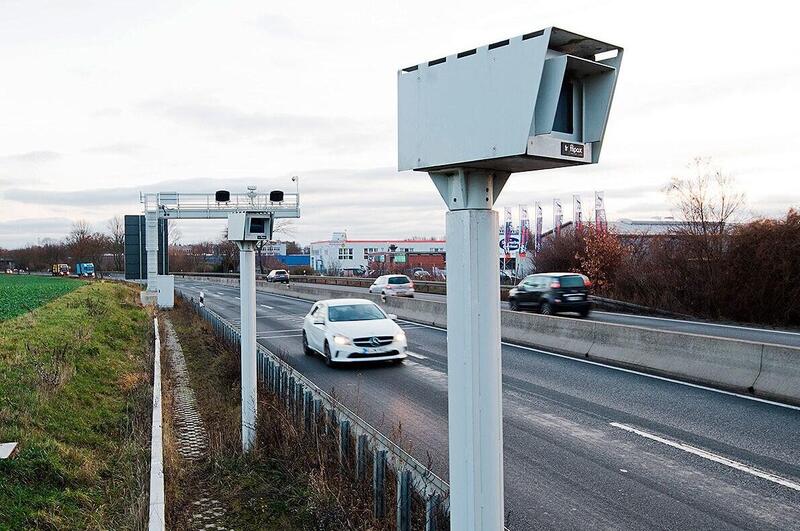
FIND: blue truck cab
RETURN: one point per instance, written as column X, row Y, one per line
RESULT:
column 84, row 269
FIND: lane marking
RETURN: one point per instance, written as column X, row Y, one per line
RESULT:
column 632, row 371
column 415, row 355
column 705, row 454
column 279, row 331
column 278, row 337
column 268, row 307
column 596, row 363
column 701, row 323
column 237, row 298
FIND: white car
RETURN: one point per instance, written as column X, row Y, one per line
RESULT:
column 352, row 330
column 393, row 285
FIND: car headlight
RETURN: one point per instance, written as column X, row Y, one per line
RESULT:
column 400, row 336
column 341, row 340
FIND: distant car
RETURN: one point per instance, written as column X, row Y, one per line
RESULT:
column 352, row 330
column 278, row 275
column 393, row 285
column 420, row 273
column 552, row 293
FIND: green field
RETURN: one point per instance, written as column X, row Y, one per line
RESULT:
column 75, row 394
column 22, row 293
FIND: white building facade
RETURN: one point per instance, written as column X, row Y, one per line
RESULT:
column 340, row 253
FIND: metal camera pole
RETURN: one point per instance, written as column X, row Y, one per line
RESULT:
column 247, row 287
column 474, row 393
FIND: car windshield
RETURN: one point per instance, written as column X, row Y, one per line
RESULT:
column 355, row 312
column 399, row 280
column 573, row 281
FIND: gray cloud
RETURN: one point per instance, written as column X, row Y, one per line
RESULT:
column 225, row 118
column 18, row 232
column 119, row 148
column 35, row 157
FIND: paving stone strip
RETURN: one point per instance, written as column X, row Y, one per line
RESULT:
column 190, row 433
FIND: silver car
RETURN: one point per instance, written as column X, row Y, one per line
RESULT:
column 393, row 286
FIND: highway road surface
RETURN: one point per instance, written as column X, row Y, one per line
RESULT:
column 586, row 446
column 730, row 331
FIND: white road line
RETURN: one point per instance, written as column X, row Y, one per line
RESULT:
column 236, row 298
column 279, row 331
column 415, row 355
column 702, row 323
column 278, row 337
column 631, row 371
column 705, row 454
column 268, row 307
column 589, row 362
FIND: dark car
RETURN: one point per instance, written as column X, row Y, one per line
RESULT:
column 551, row 293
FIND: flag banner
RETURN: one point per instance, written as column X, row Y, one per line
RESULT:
column 577, row 214
column 558, row 216
column 537, row 242
column 507, row 232
column 600, row 211
column 524, row 230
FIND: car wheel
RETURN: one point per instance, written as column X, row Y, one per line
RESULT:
column 306, row 349
column 513, row 305
column 546, row 309
column 328, row 360
column 584, row 313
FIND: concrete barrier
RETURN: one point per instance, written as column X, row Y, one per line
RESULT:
column 779, row 377
column 771, row 371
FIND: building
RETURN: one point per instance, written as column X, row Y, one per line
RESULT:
column 7, row 263
column 340, row 253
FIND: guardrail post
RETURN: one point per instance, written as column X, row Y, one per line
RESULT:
column 308, row 410
column 317, row 413
column 361, row 457
column 431, row 508
column 290, row 395
column 334, row 422
column 344, row 442
column 404, row 500
column 379, row 484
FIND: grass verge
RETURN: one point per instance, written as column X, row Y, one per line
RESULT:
column 292, row 480
column 75, row 393
column 20, row 294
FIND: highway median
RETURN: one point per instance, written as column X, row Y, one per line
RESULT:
column 751, row 368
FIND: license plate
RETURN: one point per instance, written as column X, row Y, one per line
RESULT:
column 574, row 297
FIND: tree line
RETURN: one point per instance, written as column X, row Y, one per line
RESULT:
column 705, row 265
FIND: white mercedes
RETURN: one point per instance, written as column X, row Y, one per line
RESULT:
column 352, row 330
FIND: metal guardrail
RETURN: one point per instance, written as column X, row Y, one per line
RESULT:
column 311, row 402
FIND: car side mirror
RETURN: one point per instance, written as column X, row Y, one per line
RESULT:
column 392, row 316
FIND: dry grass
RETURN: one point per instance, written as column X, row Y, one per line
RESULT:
column 293, row 479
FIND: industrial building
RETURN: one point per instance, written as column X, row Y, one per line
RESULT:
column 341, row 254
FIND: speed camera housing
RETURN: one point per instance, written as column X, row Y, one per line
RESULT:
column 249, row 226
column 536, row 101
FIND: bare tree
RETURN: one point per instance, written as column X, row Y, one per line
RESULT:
column 116, row 229
column 87, row 246
column 707, row 201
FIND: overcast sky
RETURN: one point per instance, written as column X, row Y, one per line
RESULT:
column 102, row 99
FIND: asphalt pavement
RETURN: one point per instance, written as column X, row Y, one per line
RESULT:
column 707, row 328
column 586, row 445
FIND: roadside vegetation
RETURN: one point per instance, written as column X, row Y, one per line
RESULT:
column 22, row 293
column 707, row 265
column 75, row 393
column 291, row 480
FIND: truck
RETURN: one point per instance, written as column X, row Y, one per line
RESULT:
column 84, row 269
column 60, row 270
